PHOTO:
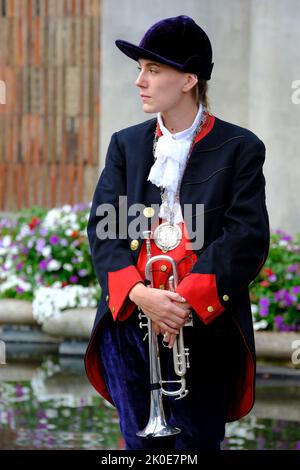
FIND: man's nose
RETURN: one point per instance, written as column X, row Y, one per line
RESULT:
column 140, row 81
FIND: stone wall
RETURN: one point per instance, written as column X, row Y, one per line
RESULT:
column 256, row 58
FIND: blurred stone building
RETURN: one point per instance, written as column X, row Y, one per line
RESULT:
column 49, row 126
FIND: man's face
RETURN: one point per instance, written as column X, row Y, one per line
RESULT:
column 160, row 86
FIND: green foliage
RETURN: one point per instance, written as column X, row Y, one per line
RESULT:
column 275, row 293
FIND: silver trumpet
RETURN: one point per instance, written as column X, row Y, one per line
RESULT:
column 157, row 425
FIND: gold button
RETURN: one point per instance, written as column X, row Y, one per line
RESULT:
column 162, row 286
column 112, row 309
column 225, row 297
column 134, row 244
column 210, row 309
column 163, row 268
column 148, row 212
column 106, row 298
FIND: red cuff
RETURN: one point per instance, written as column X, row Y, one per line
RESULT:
column 200, row 291
column 119, row 284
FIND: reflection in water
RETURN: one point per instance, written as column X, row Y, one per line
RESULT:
column 54, row 407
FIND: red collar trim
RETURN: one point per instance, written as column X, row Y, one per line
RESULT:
column 205, row 129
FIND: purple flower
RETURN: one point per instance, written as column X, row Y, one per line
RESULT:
column 73, row 279
column 273, row 278
column 43, row 232
column 43, row 264
column 284, row 298
column 264, row 303
column 80, row 207
column 19, row 289
column 54, row 239
column 41, row 414
column 74, row 260
column 278, row 321
column 297, row 446
column 261, row 441
column 40, row 244
column 280, row 232
column 288, row 238
column 5, row 222
column 19, row 391
column 41, row 426
column 82, row 272
column 19, row 266
column 295, row 289
column 292, row 268
column 64, row 242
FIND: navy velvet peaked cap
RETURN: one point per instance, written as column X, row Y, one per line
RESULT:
column 178, row 42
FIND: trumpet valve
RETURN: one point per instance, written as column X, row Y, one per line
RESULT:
column 142, row 317
column 190, row 320
column 187, row 360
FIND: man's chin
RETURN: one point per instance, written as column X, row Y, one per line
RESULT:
column 149, row 109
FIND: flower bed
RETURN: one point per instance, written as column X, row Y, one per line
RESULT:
column 45, row 258
column 275, row 293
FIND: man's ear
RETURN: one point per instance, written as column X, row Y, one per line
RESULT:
column 190, row 81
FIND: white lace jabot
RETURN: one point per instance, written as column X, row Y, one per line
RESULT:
column 171, row 155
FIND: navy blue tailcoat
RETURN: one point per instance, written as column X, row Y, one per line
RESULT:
column 225, row 173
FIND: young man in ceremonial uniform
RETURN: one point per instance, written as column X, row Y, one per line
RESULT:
column 182, row 156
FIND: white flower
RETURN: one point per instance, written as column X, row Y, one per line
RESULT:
column 68, row 267
column 53, row 265
column 57, row 284
column 260, row 325
column 14, row 250
column 282, row 243
column 8, row 263
column 51, row 219
column 30, row 243
column 51, row 301
column 68, row 232
column 6, row 241
column 46, row 251
column 14, row 281
column 66, row 208
column 254, row 308
column 23, row 232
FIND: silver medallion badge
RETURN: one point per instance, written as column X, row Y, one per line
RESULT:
column 167, row 236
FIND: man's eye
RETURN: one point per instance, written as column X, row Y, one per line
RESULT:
column 153, row 71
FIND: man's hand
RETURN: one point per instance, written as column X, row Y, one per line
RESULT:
column 168, row 310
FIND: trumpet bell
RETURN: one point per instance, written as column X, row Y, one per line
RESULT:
column 158, row 427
